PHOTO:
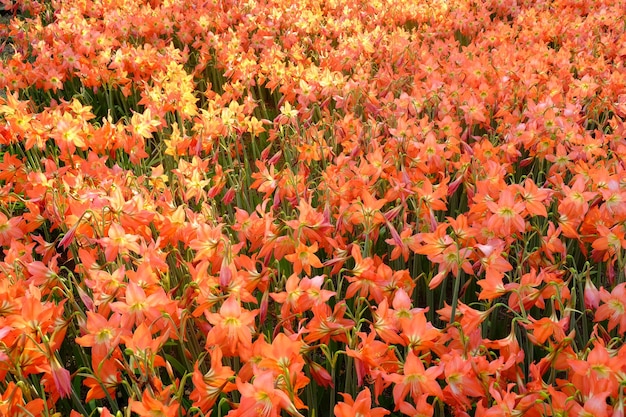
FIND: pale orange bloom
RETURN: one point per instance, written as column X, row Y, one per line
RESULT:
column 416, row 380
column 263, row 399
column 119, row 242
column 361, row 406
column 613, row 307
column 506, row 215
column 233, row 327
column 208, row 387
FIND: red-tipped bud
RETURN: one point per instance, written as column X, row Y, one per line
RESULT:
column 591, row 295
column 229, row 196
column 263, row 307
column 226, row 275
column 321, row 375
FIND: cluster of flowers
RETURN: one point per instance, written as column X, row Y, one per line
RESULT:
column 350, row 208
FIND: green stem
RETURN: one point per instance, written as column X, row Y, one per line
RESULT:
column 455, row 296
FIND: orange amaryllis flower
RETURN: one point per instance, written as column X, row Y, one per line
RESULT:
column 263, row 399
column 416, row 380
column 325, row 325
column 301, row 294
column 106, row 377
column 609, row 243
column 504, row 403
column 362, row 406
column 461, row 380
column 304, row 258
column 534, row 198
column 137, row 307
column 209, row 243
column 9, row 229
column 385, row 323
column 162, row 404
column 421, row 409
column 613, row 307
column 371, row 355
column 232, row 329
column 283, row 358
column 506, row 215
column 145, row 348
column 400, row 242
column 418, row 332
column 102, row 335
column 367, row 212
column 265, row 180
column 576, row 199
column 368, row 280
column 495, row 265
column 313, row 224
column 208, row 387
column 526, row 293
column 469, row 318
column 599, row 371
column 432, row 244
column 12, row 403
column 119, row 242
column 541, row 330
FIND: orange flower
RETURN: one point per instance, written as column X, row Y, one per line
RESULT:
column 232, row 329
column 474, row 111
column 507, row 214
column 107, row 377
column 119, row 242
column 371, row 355
column 598, row 372
column 263, row 399
column 209, row 243
column 385, row 323
column 325, row 326
column 400, row 242
column 362, row 406
column 283, row 358
column 534, row 198
column 433, row 244
column 145, row 348
column 138, row 308
column 265, row 181
column 12, row 403
column 418, row 332
column 613, row 307
column 301, row 294
column 208, row 387
column 162, row 404
column 609, row 243
column 313, row 224
column 9, row 229
column 542, row 329
column 495, row 266
column 461, row 380
column 416, row 380
column 526, row 292
column 367, row 212
column 576, row 201
column 304, row 258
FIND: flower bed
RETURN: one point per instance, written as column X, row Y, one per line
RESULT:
column 345, row 208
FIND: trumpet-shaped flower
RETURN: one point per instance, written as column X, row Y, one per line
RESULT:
column 361, row 406
column 232, row 330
